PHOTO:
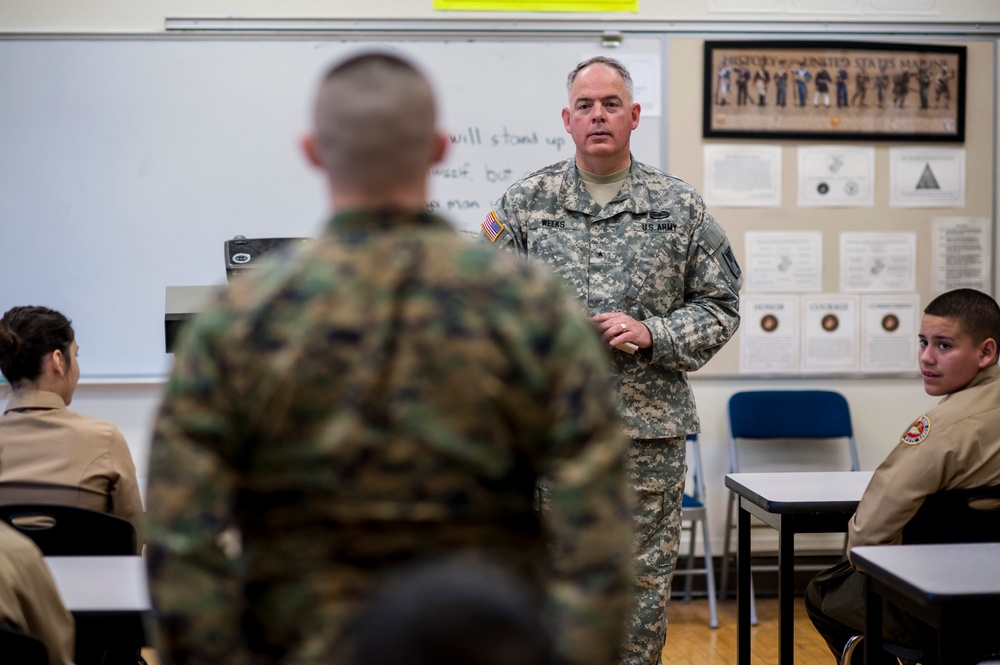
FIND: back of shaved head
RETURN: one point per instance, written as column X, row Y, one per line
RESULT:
column 375, row 121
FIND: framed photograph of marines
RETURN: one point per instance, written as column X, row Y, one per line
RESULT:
column 834, row 90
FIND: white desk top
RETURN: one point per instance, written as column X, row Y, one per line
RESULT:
column 101, row 583
column 801, row 491
column 939, row 572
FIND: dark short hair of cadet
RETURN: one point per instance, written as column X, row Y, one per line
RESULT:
column 977, row 312
column 453, row 612
column 607, row 62
column 375, row 122
column 27, row 335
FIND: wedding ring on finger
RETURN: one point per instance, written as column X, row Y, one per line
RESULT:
column 624, row 327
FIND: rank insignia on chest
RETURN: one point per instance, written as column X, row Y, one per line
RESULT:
column 492, row 227
column 917, row 432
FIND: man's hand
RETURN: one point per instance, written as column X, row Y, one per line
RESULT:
column 617, row 328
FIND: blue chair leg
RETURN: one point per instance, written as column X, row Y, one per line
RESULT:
column 689, row 582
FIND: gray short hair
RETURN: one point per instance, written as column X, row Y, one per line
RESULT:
column 607, row 62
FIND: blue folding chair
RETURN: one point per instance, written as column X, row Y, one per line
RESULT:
column 693, row 511
column 800, row 423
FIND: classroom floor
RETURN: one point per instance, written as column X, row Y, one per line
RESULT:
column 691, row 642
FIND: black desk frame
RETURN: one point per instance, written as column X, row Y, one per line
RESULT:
column 952, row 616
column 789, row 519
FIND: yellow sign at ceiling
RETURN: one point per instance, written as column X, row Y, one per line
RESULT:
column 539, row 5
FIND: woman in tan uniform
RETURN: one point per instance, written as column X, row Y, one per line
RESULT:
column 52, row 454
column 29, row 599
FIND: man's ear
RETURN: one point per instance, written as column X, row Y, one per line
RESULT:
column 565, row 117
column 987, row 353
column 310, row 149
column 441, row 143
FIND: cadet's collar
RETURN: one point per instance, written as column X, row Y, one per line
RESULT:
column 34, row 399
column 384, row 220
column 985, row 376
column 988, row 375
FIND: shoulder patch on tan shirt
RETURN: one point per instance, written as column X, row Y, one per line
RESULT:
column 917, row 432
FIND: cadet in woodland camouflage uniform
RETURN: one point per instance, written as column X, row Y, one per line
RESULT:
column 393, row 394
column 659, row 278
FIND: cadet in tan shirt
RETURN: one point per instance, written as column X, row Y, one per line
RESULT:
column 955, row 445
column 51, row 453
column 29, row 600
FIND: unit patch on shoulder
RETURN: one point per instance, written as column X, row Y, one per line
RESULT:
column 917, row 432
column 731, row 261
column 492, row 227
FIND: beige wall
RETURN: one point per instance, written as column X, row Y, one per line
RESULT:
column 94, row 16
column 685, row 160
column 882, row 408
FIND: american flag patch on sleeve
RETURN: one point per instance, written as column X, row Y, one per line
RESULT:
column 492, row 226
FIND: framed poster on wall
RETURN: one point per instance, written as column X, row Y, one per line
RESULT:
column 834, row 91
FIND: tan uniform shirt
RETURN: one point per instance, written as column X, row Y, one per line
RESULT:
column 44, row 442
column 955, row 445
column 29, row 600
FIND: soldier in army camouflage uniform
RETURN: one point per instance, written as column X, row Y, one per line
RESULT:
column 393, row 394
column 658, row 277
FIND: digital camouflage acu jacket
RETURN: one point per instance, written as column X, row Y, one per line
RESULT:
column 653, row 252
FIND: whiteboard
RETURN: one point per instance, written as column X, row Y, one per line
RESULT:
column 125, row 163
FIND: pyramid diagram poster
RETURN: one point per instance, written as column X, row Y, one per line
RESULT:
column 927, row 177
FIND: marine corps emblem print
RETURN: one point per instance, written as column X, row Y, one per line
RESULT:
column 917, row 432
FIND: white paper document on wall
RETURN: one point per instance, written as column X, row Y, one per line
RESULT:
column 902, row 7
column 742, row 6
column 830, row 340
column 836, row 176
column 878, row 261
column 783, row 261
column 962, row 253
column 889, row 326
column 742, row 175
column 926, row 177
column 825, row 6
column 646, row 80
column 769, row 334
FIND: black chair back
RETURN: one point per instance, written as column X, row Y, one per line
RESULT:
column 957, row 516
column 70, row 530
column 33, row 491
column 17, row 648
